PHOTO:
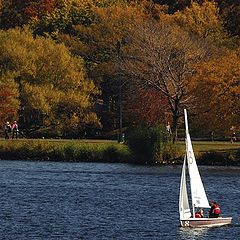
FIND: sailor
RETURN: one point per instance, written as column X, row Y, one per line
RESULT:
column 199, row 214
column 215, row 210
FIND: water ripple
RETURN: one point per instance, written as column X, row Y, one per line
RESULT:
column 105, row 201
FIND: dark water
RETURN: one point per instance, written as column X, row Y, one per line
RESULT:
column 106, row 201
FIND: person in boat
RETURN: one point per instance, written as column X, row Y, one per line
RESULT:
column 199, row 214
column 214, row 210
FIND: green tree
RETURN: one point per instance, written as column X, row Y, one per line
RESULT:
column 64, row 16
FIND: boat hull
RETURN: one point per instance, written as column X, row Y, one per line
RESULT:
column 205, row 222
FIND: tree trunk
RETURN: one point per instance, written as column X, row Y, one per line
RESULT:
column 174, row 126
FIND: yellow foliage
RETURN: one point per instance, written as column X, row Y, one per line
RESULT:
column 203, row 20
column 52, row 82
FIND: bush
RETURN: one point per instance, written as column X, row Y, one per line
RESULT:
column 212, row 158
column 150, row 145
column 230, row 157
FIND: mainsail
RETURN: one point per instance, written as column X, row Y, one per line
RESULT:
column 199, row 198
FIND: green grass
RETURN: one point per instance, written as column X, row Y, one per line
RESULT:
column 107, row 151
column 199, row 146
column 213, row 153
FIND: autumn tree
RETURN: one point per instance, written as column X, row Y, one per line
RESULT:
column 230, row 11
column 174, row 6
column 64, row 15
column 54, row 90
column 217, row 93
column 146, row 107
column 100, row 45
column 19, row 12
column 162, row 56
column 9, row 103
column 203, row 20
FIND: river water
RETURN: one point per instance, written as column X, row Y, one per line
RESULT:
column 52, row 200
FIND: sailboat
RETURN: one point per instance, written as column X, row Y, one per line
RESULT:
column 198, row 194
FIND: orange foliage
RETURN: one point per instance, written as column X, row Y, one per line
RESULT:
column 218, row 91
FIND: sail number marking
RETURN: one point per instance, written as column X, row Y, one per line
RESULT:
column 190, row 157
column 186, row 224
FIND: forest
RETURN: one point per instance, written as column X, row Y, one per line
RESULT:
column 96, row 68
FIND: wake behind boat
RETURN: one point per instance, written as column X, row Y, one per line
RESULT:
column 198, row 194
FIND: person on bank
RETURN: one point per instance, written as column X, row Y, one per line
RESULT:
column 7, row 130
column 214, row 210
column 199, row 214
column 15, row 130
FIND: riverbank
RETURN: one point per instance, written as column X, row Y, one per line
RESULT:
column 207, row 153
column 64, row 150
column 215, row 152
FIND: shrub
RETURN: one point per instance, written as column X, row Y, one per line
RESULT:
column 212, row 158
column 150, row 144
column 220, row 157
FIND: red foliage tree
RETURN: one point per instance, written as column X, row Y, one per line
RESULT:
column 149, row 107
column 19, row 12
column 39, row 8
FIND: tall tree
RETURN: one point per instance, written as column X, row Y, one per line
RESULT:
column 100, row 44
column 163, row 56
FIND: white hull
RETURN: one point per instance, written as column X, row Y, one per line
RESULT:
column 205, row 222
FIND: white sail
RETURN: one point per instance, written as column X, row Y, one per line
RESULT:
column 184, row 209
column 199, row 198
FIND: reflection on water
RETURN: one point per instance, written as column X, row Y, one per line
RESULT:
column 193, row 233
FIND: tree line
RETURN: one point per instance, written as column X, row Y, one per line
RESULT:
column 72, row 68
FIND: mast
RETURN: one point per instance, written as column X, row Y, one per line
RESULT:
column 186, row 141
column 186, row 121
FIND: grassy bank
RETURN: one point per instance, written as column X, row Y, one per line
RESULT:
column 209, row 153
column 214, row 153
column 64, row 150
column 203, row 146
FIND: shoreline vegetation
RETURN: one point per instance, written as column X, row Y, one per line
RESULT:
column 65, row 150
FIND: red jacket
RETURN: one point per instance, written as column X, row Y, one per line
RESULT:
column 216, row 209
column 198, row 215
